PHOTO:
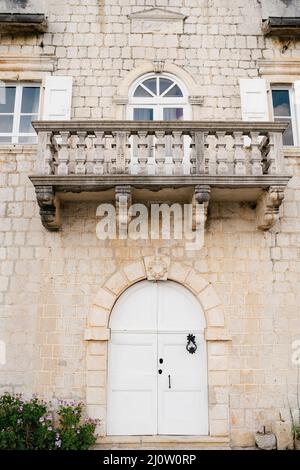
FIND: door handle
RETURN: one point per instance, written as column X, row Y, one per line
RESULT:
column 169, row 377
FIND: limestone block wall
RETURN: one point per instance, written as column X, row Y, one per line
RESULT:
column 49, row 283
column 92, row 40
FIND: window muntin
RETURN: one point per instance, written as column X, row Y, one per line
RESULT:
column 158, row 87
column 158, row 97
column 19, row 107
column 283, row 110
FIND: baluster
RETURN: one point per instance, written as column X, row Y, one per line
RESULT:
column 99, row 148
column 199, row 147
column 121, row 142
column 222, row 165
column 143, row 152
column 45, row 156
column 49, row 155
column 192, row 156
column 112, row 153
column 80, row 158
column 160, row 152
column 239, row 154
column 63, row 153
column 127, row 152
column 206, row 156
column 275, row 155
column 177, row 147
column 256, row 157
column 271, row 155
column 211, row 153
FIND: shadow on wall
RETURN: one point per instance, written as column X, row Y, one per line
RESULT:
column 22, row 6
column 280, row 8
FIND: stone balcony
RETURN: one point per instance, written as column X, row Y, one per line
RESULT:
column 171, row 161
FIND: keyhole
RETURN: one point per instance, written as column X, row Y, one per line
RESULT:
column 160, row 371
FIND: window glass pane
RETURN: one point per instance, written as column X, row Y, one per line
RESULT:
column 175, row 91
column 30, row 99
column 173, row 114
column 141, row 92
column 7, row 99
column 288, row 138
column 151, row 85
column 281, row 102
column 25, row 124
column 6, row 123
column 28, row 140
column 143, row 114
column 164, row 84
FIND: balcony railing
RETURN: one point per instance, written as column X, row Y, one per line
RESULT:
column 159, row 148
column 241, row 161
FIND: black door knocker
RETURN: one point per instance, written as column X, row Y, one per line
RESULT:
column 191, row 345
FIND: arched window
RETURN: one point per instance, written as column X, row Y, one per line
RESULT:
column 158, row 97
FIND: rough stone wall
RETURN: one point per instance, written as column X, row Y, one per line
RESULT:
column 48, row 280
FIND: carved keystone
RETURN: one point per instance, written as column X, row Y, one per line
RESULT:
column 157, row 267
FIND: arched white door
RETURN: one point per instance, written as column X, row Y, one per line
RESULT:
column 156, row 385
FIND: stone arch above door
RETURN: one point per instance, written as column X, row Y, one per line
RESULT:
column 156, row 268
column 121, row 97
column 97, row 335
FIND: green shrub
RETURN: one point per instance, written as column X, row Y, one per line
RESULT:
column 29, row 424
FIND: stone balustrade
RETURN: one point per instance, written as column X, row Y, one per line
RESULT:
column 186, row 161
column 159, row 148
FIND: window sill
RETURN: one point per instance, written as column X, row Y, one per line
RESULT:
column 17, row 148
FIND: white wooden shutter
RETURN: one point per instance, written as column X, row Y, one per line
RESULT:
column 57, row 98
column 254, row 99
column 297, row 109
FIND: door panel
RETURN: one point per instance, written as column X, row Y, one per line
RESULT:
column 136, row 309
column 178, row 309
column 182, row 389
column 132, row 399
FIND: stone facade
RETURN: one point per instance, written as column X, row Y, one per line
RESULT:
column 50, row 283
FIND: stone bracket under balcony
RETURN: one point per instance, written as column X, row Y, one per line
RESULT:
column 266, row 192
column 282, row 27
column 23, row 23
column 185, row 162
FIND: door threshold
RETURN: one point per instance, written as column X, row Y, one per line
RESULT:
column 162, row 442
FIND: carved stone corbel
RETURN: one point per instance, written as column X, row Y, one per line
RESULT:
column 49, row 207
column 201, row 197
column 268, row 207
column 123, row 202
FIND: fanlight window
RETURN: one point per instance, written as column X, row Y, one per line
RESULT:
column 158, row 87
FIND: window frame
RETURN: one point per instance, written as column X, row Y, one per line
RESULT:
column 158, row 102
column 295, row 125
column 15, row 134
